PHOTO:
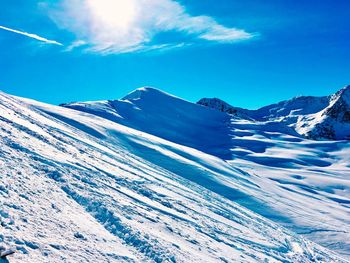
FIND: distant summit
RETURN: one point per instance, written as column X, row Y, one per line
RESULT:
column 334, row 121
column 218, row 104
column 339, row 108
column 144, row 92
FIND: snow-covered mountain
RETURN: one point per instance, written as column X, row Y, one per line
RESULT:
column 334, row 121
column 154, row 178
column 166, row 116
column 313, row 117
column 266, row 145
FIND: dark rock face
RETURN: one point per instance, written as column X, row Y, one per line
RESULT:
column 346, row 117
column 322, row 131
column 340, row 106
column 218, row 104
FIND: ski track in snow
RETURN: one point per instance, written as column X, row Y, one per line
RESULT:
column 80, row 188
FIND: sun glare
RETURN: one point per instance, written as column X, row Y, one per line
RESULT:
column 114, row 13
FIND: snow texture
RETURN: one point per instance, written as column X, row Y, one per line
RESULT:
column 154, row 178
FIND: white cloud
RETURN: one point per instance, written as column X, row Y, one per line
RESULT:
column 39, row 38
column 121, row 26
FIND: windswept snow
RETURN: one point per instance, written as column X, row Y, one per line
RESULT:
column 153, row 178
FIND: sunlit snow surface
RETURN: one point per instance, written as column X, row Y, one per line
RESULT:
column 180, row 185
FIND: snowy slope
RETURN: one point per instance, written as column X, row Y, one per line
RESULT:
column 80, row 188
column 161, row 114
column 269, row 168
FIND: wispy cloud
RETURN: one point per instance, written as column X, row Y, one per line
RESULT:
column 122, row 26
column 34, row 36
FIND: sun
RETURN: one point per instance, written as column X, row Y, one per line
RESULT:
column 118, row 14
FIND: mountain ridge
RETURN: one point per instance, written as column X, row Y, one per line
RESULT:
column 319, row 118
column 310, row 116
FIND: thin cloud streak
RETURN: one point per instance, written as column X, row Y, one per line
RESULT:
column 34, row 36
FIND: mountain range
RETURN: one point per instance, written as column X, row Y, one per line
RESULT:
column 317, row 118
column 154, row 178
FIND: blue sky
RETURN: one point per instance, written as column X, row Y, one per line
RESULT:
column 249, row 53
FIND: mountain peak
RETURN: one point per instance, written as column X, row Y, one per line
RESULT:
column 143, row 92
column 344, row 93
column 339, row 108
column 213, row 102
column 346, row 87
